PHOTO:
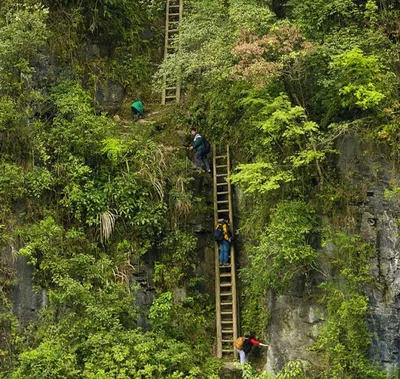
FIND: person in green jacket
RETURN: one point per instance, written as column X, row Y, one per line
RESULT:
column 137, row 109
column 198, row 145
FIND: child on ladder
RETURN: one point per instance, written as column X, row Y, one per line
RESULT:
column 202, row 149
column 223, row 237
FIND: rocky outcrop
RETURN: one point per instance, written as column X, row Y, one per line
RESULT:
column 377, row 220
column 296, row 317
column 26, row 299
column 293, row 329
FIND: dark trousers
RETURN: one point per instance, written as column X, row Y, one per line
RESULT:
column 201, row 156
column 223, row 252
column 135, row 113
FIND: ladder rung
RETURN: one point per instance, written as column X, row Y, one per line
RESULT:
column 174, row 5
column 170, row 97
column 227, row 341
column 225, row 331
column 221, row 193
column 226, row 313
column 222, row 201
column 225, row 294
column 227, row 322
column 170, row 88
column 225, row 284
column 227, row 351
column 220, row 156
column 226, row 303
column 223, row 210
column 222, row 184
column 172, row 30
column 218, row 175
column 225, row 275
column 221, row 166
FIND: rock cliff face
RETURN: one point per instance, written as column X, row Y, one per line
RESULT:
column 296, row 317
column 26, row 301
column 378, row 224
column 294, row 327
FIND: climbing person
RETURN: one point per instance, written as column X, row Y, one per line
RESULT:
column 201, row 148
column 244, row 344
column 223, row 236
column 137, row 109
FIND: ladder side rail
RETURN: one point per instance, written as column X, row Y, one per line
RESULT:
column 233, row 258
column 175, row 22
column 178, row 82
column 217, row 278
column 164, row 90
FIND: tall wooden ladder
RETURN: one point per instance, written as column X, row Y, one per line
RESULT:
column 225, row 276
column 171, row 86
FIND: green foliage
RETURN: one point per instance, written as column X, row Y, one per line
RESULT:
column 11, row 182
column 160, row 313
column 318, row 18
column 10, row 341
column 393, row 194
column 110, row 353
column 287, row 143
column 76, row 122
column 109, row 19
column 115, row 149
column 344, row 338
column 292, row 370
column 49, row 360
column 38, row 180
column 22, row 35
column 278, row 53
column 207, row 38
column 255, row 314
column 283, row 250
column 361, row 80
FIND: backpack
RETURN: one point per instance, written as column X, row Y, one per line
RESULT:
column 239, row 342
column 219, row 233
column 207, row 146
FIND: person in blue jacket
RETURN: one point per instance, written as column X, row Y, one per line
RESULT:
column 198, row 145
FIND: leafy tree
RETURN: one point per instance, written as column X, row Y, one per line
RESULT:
column 318, row 18
column 287, row 142
column 360, row 81
column 22, row 36
column 283, row 250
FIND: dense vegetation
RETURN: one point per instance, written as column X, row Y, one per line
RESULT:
column 84, row 198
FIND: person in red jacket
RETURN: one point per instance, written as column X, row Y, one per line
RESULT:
column 247, row 345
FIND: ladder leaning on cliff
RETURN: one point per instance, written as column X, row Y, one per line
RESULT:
column 225, row 276
column 171, row 86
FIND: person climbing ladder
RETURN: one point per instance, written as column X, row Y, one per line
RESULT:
column 201, row 148
column 223, row 236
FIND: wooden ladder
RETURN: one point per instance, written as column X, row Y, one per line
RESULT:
column 172, row 86
column 225, row 276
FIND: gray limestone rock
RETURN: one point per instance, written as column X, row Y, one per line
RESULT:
column 293, row 328
column 110, row 94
